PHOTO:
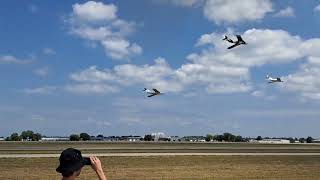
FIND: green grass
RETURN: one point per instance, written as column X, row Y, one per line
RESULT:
column 175, row 167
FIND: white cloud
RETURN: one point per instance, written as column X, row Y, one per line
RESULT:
column 228, row 11
column 160, row 75
column 228, row 71
column 317, row 8
column 44, row 71
column 119, row 48
column 92, row 74
column 231, row 11
column 40, row 90
column 228, row 88
column 214, row 69
column 91, row 88
column 48, row 51
column 185, row 3
column 98, row 22
column 264, row 46
column 95, row 11
column 306, row 80
column 130, row 73
column 287, row 12
column 93, row 34
column 156, row 75
column 8, row 59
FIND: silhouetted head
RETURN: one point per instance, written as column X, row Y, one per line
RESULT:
column 71, row 162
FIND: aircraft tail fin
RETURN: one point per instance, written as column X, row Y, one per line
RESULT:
column 225, row 38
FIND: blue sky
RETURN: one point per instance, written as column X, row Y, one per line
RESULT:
column 78, row 66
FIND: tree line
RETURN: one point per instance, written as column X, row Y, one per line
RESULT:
column 32, row 136
column 228, row 137
column 29, row 135
column 24, row 136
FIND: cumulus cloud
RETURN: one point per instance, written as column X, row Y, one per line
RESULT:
column 98, row 22
column 215, row 69
column 228, row 71
column 95, row 11
column 264, row 46
column 317, row 8
column 8, row 59
column 157, row 75
column 231, row 11
column 287, row 12
column 119, row 48
column 306, row 80
column 92, row 74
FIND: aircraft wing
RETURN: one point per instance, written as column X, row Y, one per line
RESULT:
column 151, row 95
column 233, row 46
column 156, row 91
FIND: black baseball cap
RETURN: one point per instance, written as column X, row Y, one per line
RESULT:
column 71, row 160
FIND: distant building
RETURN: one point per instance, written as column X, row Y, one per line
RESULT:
column 275, row 141
column 96, row 138
column 112, row 138
column 316, row 140
column 55, row 138
column 2, row 139
column 253, row 140
column 132, row 138
column 174, row 138
column 158, row 135
column 193, row 138
column 123, row 138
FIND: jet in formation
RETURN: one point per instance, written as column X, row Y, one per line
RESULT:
column 235, row 43
column 153, row 92
column 273, row 80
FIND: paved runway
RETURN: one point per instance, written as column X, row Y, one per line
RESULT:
column 159, row 154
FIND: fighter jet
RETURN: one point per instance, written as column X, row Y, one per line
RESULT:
column 153, row 92
column 273, row 80
column 235, row 43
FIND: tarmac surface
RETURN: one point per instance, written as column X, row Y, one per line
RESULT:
column 159, row 154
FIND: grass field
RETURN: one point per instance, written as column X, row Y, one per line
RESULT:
column 124, row 147
column 168, row 167
column 175, row 167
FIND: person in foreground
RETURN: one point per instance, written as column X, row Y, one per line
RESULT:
column 71, row 163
